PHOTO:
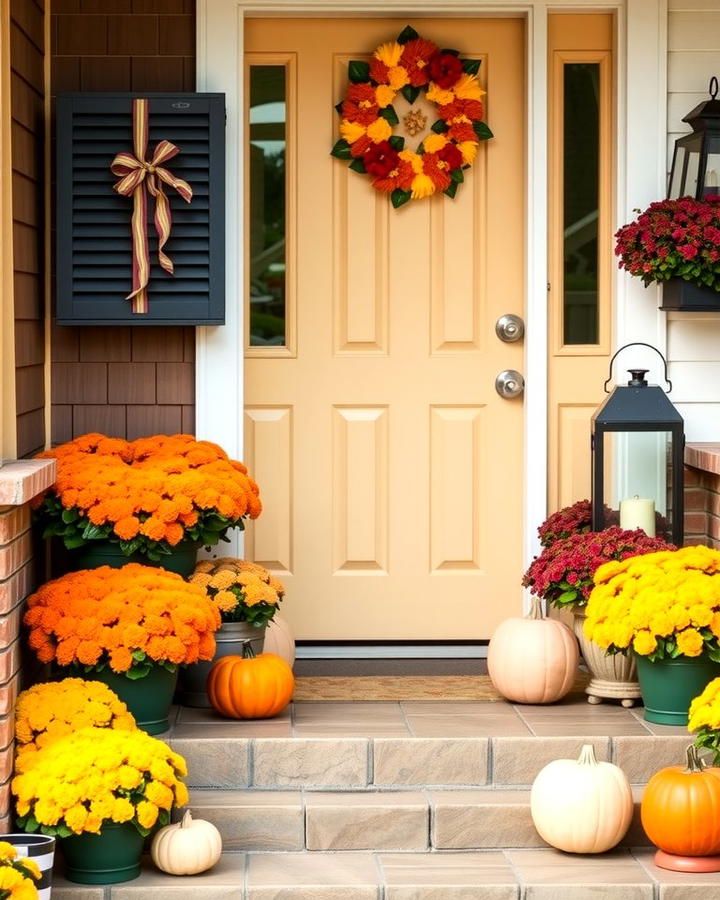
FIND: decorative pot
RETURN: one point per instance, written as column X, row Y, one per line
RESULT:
column 683, row 295
column 229, row 640
column 106, row 553
column 614, row 676
column 669, row 685
column 106, row 858
column 40, row 848
column 148, row 698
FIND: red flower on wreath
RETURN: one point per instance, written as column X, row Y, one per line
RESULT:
column 445, row 69
column 409, row 65
column 380, row 159
column 415, row 58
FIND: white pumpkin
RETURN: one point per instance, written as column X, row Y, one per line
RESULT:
column 187, row 847
column 279, row 639
column 581, row 805
column 533, row 659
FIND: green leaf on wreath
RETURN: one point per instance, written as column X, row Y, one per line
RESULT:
column 482, row 131
column 410, row 93
column 399, row 197
column 457, row 175
column 389, row 114
column 339, row 107
column 439, row 127
column 451, row 189
column 396, row 142
column 357, row 165
column 341, row 149
column 358, row 71
column 407, row 34
column 471, row 66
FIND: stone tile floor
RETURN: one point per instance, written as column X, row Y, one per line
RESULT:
column 422, row 718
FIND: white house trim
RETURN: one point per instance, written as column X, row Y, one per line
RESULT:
column 641, row 144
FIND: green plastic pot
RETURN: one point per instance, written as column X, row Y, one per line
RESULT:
column 148, row 698
column 106, row 553
column 669, row 685
column 106, row 858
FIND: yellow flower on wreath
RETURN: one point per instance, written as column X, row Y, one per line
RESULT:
column 661, row 604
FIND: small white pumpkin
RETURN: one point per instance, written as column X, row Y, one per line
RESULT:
column 532, row 659
column 187, row 847
column 581, row 805
column 279, row 639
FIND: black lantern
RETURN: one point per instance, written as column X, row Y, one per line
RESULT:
column 695, row 168
column 637, row 450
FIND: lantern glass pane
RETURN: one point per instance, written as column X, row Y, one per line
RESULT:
column 678, row 168
column 581, row 186
column 266, row 164
column 638, row 481
column 712, row 169
column 689, row 188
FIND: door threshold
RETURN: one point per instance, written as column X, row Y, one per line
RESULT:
column 352, row 650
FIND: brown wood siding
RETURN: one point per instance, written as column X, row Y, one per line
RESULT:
column 27, row 51
column 128, row 382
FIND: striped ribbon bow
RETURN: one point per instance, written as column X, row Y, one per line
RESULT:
column 136, row 173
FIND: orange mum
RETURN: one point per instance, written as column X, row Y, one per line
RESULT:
column 147, row 494
column 125, row 618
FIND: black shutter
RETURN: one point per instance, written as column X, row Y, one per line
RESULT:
column 94, row 252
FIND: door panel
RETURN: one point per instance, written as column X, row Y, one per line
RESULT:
column 390, row 469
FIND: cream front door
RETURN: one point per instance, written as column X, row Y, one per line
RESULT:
column 389, row 467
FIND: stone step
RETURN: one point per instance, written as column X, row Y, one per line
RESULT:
column 467, row 819
column 443, row 875
column 224, row 757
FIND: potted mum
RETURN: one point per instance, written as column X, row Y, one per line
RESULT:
column 153, row 500
column 676, row 243
column 101, row 791
column 575, row 519
column 563, row 576
column 48, row 711
column 247, row 597
column 704, row 719
column 664, row 608
column 130, row 628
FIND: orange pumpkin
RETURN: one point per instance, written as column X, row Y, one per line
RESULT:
column 249, row 686
column 679, row 808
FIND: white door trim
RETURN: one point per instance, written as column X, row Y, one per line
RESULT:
column 642, row 39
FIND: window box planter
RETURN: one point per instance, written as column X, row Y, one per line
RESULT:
column 681, row 295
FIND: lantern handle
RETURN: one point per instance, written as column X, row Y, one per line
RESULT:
column 638, row 344
column 713, row 89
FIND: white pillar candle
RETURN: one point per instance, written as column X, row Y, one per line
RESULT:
column 638, row 513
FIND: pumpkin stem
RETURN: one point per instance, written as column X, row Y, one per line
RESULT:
column 587, row 756
column 248, row 652
column 186, row 820
column 536, row 611
column 694, row 762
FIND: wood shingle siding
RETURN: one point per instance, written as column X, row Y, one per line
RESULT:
column 27, row 52
column 168, row 67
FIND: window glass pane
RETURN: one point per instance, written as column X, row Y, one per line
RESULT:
column 581, row 174
column 267, row 205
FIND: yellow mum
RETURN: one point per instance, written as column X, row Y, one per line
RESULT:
column 434, row 142
column 380, row 130
column 422, row 186
column 690, row 642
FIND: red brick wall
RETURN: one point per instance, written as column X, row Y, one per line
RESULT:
column 27, row 56
column 127, row 382
column 702, row 508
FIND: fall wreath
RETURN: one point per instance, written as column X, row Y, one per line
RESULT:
column 412, row 66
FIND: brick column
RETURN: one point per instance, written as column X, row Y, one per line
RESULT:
column 19, row 483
